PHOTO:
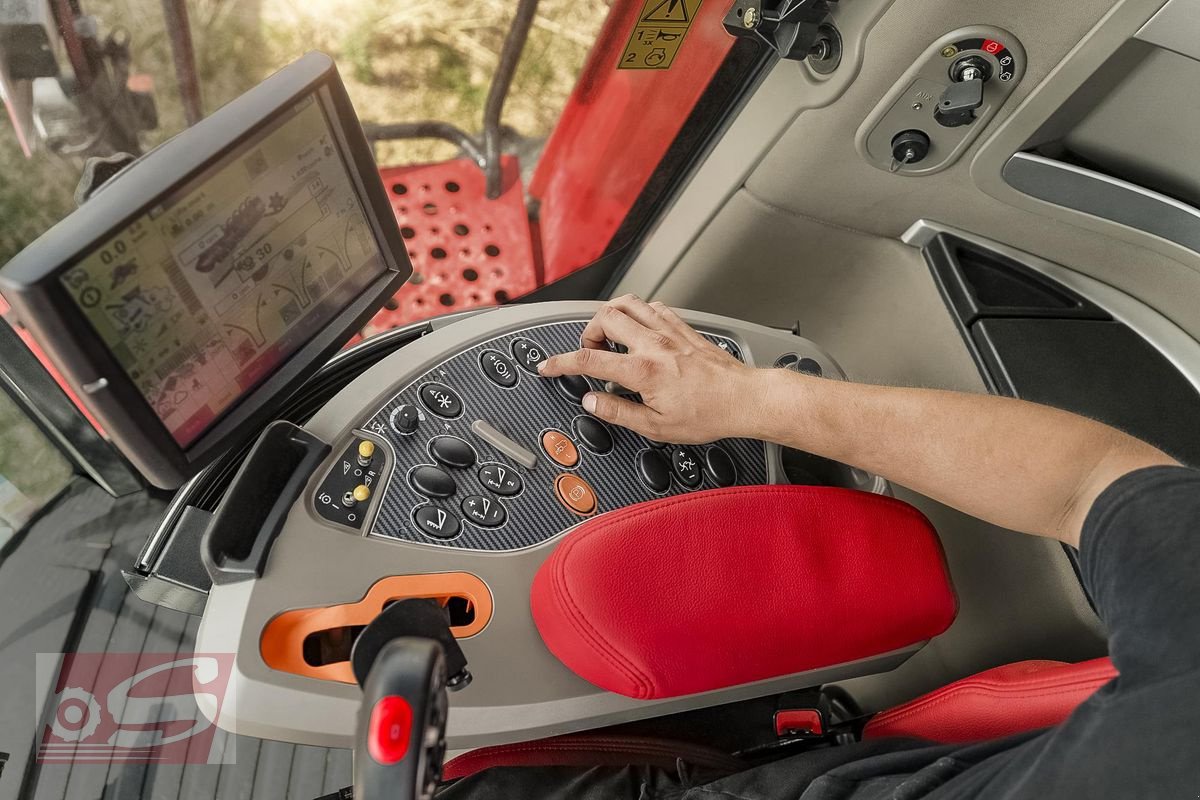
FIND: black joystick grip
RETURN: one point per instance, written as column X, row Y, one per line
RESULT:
column 401, row 740
column 417, row 618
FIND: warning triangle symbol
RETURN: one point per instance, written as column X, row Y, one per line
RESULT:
column 668, row 11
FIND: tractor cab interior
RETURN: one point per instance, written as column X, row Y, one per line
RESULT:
column 413, row 546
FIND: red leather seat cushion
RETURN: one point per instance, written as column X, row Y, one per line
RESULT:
column 590, row 750
column 725, row 587
column 998, row 702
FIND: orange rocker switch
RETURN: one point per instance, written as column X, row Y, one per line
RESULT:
column 560, row 448
column 575, row 493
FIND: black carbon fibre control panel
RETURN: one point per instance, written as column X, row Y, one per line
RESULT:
column 484, row 454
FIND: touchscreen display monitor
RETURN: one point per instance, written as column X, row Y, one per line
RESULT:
column 207, row 292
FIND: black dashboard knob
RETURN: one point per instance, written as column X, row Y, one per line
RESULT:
column 654, row 471
column 573, row 387
column 405, row 418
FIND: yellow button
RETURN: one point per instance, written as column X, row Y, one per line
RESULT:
column 361, row 493
column 560, row 448
column 366, row 449
column 575, row 493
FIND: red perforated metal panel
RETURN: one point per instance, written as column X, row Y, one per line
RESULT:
column 466, row 250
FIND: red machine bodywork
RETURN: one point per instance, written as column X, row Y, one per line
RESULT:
column 466, row 250
column 614, row 131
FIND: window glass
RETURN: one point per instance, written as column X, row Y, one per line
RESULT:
column 32, row 471
column 402, row 60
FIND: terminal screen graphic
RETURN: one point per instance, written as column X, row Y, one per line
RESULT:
column 205, row 294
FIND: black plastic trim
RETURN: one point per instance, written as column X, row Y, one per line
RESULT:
column 239, row 538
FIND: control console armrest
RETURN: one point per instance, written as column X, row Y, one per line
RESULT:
column 730, row 586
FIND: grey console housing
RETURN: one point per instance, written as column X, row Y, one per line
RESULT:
column 520, row 690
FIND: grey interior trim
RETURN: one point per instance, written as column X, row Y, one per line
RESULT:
column 1176, row 345
column 1105, row 197
column 1176, row 27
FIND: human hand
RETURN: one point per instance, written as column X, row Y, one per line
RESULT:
column 692, row 391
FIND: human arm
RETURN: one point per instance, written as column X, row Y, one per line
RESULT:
column 1016, row 464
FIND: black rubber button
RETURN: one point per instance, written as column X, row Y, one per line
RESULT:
column 528, row 354
column 498, row 368
column 685, row 467
column 405, row 418
column 594, row 434
column 573, row 387
column 452, row 451
column 441, row 400
column 431, row 481
column 719, row 466
column 436, row 522
column 654, row 471
column 500, row 479
column 484, row 511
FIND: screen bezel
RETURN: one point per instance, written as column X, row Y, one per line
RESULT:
column 31, row 281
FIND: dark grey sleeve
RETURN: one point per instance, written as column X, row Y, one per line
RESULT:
column 1140, row 554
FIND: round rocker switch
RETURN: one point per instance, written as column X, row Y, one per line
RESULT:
column 498, row 368
column 441, row 400
column 431, row 481
column 405, row 418
column 528, row 354
column 484, row 511
column 685, row 467
column 452, row 451
column 594, row 434
column 560, row 448
column 500, row 479
column 654, row 471
column 573, row 387
column 436, row 522
column 719, row 466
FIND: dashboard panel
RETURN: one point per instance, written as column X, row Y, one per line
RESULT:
column 482, row 453
column 429, row 420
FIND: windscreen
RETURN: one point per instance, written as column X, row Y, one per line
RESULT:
column 209, row 291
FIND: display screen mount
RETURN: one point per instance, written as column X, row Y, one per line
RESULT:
column 197, row 288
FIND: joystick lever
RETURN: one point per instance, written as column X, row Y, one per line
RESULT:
column 405, row 660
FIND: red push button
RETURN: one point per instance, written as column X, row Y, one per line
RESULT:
column 389, row 729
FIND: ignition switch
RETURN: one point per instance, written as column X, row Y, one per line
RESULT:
column 964, row 95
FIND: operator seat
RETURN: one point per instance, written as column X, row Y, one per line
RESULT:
column 1023, row 696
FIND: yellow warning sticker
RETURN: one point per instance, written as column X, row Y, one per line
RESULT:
column 658, row 34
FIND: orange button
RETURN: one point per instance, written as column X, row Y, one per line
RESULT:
column 560, row 448
column 575, row 493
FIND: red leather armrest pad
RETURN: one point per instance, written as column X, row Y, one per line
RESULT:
column 997, row 702
column 725, row 587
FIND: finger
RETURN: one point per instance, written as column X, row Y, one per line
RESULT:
column 600, row 364
column 639, row 310
column 675, row 324
column 612, row 323
column 621, row 412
